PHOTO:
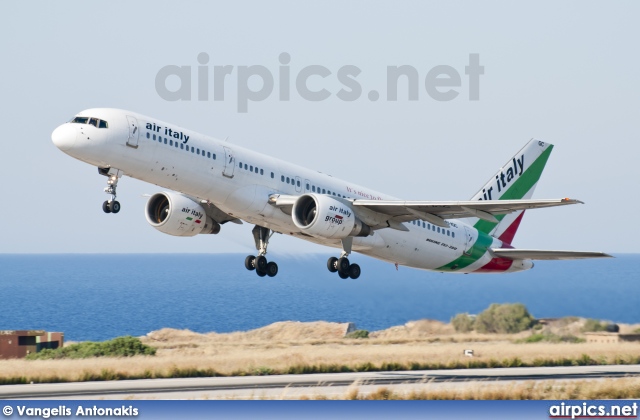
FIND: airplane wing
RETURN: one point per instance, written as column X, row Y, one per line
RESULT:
column 436, row 211
column 397, row 211
column 538, row 254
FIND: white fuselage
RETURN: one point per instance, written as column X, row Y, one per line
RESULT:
column 239, row 182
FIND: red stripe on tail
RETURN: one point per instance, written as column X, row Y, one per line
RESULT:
column 507, row 235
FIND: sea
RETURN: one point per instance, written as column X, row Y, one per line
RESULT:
column 102, row 296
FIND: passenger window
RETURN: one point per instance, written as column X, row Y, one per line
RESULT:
column 324, row 191
column 208, row 154
column 307, row 187
column 256, row 170
column 94, row 122
column 438, row 229
column 192, row 149
column 423, row 225
column 282, row 178
column 165, row 140
column 298, row 183
column 313, row 188
column 453, row 234
column 288, row 180
column 148, row 135
column 214, row 156
column 170, row 142
column 154, row 137
column 245, row 166
column 273, row 175
column 261, row 172
column 240, row 165
column 176, row 144
column 182, row 146
column 251, row 168
column 198, row 150
column 448, row 233
column 103, row 124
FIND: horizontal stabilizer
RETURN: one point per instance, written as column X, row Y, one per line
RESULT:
column 539, row 254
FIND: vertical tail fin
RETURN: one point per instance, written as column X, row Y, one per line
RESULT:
column 515, row 180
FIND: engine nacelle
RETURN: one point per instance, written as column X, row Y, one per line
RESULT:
column 325, row 217
column 177, row 215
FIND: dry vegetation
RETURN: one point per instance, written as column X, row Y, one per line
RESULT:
column 295, row 347
column 626, row 388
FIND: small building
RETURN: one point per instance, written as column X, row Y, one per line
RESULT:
column 17, row 344
column 611, row 337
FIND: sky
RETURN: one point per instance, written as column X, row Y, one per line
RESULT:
column 565, row 73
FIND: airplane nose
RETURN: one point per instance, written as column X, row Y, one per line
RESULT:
column 64, row 137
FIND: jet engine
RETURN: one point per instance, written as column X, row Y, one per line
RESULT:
column 178, row 215
column 325, row 217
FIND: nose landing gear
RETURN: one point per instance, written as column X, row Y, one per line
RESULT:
column 113, row 175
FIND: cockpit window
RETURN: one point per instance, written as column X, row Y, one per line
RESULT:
column 98, row 123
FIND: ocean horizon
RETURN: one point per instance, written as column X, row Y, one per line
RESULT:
column 102, row 296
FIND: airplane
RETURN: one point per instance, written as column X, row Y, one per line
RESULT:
column 212, row 182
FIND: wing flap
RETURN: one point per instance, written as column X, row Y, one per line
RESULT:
column 539, row 254
column 486, row 209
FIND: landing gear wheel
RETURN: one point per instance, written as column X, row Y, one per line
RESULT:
column 332, row 263
column 249, row 262
column 354, row 271
column 343, row 265
column 261, row 263
column 114, row 206
column 261, row 273
column 272, row 269
column 342, row 275
column 112, row 174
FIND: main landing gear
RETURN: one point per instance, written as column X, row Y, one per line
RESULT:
column 261, row 236
column 113, row 175
column 342, row 265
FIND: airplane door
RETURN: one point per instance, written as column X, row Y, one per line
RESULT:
column 229, row 163
column 298, row 184
column 469, row 240
column 134, row 132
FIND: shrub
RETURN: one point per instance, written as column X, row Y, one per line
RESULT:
column 551, row 338
column 358, row 334
column 463, row 322
column 593, row 325
column 118, row 347
column 508, row 318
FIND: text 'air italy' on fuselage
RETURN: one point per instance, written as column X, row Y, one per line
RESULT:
column 213, row 182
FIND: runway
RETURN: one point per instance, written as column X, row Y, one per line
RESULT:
column 295, row 386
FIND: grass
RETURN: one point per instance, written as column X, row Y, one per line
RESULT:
column 551, row 338
column 271, row 359
column 624, row 388
column 293, row 348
